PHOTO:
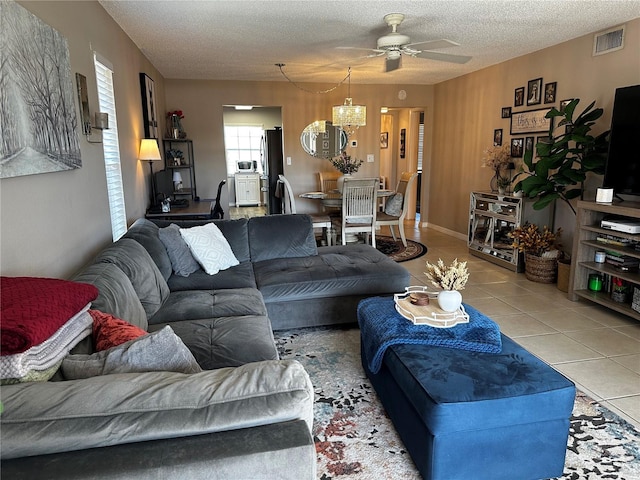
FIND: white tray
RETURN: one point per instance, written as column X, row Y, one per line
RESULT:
column 431, row 314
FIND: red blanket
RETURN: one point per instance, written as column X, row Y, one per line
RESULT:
column 33, row 309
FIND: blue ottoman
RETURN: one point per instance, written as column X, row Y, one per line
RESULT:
column 472, row 415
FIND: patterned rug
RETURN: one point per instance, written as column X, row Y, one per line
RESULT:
column 397, row 251
column 355, row 440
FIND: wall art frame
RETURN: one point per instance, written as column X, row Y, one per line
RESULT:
column 530, row 121
column 517, row 147
column 497, row 137
column 149, row 106
column 384, row 140
column 403, row 142
column 534, row 91
column 518, row 97
column 550, row 92
column 32, row 140
column 506, row 112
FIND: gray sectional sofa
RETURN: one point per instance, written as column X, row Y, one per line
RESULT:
column 248, row 414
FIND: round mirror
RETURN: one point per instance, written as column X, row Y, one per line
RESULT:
column 327, row 144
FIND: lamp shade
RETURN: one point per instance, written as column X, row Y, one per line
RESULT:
column 177, row 177
column 349, row 115
column 149, row 150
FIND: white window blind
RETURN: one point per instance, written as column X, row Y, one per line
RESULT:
column 111, row 148
column 242, row 143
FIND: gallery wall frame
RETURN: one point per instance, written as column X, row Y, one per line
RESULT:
column 530, row 121
column 550, row 92
column 497, row 137
column 384, row 140
column 506, row 112
column 403, row 142
column 534, row 91
column 517, row 147
column 149, row 114
column 518, row 97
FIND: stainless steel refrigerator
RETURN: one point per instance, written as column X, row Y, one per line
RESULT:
column 272, row 165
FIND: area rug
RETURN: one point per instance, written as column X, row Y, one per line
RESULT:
column 397, row 251
column 355, row 440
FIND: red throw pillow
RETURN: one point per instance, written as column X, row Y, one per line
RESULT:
column 110, row 331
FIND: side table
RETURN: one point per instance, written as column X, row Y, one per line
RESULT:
column 195, row 211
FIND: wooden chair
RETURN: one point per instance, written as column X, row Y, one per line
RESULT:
column 288, row 199
column 404, row 187
column 328, row 183
column 359, row 207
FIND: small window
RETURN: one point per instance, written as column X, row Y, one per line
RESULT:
column 243, row 143
column 111, row 149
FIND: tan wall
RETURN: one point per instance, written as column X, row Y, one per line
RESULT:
column 51, row 224
column 202, row 103
column 467, row 110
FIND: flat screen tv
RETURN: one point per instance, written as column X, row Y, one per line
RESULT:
column 622, row 171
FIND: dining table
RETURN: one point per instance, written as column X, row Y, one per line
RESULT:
column 333, row 198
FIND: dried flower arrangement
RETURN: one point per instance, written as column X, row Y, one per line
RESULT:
column 452, row 277
column 345, row 165
column 530, row 239
column 497, row 157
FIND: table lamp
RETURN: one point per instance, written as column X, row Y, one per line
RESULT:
column 177, row 181
column 149, row 152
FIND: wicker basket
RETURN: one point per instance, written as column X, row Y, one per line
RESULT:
column 540, row 269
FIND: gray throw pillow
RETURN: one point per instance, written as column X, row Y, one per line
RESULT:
column 161, row 351
column 182, row 260
column 393, row 206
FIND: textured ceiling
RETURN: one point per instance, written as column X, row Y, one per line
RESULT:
column 243, row 40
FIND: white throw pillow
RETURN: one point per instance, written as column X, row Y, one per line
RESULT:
column 393, row 206
column 209, row 247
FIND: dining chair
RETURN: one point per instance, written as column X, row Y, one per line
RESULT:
column 393, row 218
column 319, row 221
column 359, row 206
column 328, row 183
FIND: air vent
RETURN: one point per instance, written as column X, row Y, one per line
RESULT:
column 608, row 41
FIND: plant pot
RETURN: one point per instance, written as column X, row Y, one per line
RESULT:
column 449, row 300
column 540, row 269
column 564, row 269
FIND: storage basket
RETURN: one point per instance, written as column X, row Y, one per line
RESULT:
column 540, row 269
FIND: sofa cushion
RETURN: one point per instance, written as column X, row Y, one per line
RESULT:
column 110, row 331
column 199, row 304
column 227, row 341
column 335, row 272
column 132, row 258
column 145, row 233
column 209, row 248
column 281, row 236
column 240, row 276
column 100, row 411
column 154, row 352
column 116, row 294
column 182, row 261
column 235, row 231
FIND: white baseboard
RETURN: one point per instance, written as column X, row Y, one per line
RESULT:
column 458, row 235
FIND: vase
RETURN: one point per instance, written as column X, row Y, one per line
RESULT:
column 340, row 181
column 502, row 191
column 449, row 300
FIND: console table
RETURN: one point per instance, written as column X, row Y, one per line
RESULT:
column 195, row 211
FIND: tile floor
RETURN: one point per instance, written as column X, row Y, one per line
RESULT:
column 595, row 347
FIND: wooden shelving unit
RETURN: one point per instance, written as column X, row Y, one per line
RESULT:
column 589, row 216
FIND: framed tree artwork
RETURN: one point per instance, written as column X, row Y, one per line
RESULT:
column 149, row 114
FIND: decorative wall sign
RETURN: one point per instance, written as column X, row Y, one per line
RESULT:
column 149, row 116
column 532, row 121
column 38, row 119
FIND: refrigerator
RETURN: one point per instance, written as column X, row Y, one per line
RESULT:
column 272, row 165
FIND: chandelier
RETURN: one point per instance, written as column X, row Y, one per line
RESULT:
column 348, row 116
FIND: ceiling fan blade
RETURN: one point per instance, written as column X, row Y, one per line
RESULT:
column 433, row 44
column 444, row 57
column 392, row 64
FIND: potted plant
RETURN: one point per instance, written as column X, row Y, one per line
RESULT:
column 541, row 251
column 498, row 157
column 564, row 160
column 451, row 279
column 619, row 290
column 345, row 165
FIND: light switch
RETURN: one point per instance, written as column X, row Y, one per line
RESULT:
column 370, row 158
column 288, row 160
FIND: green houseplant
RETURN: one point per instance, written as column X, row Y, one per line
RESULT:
column 564, row 160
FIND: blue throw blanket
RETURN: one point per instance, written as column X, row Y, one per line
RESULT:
column 382, row 326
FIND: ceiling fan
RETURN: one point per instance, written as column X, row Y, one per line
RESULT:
column 395, row 44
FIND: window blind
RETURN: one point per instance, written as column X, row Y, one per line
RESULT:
column 111, row 149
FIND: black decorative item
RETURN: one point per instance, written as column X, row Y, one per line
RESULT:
column 149, row 116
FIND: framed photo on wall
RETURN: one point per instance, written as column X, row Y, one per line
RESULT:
column 506, row 112
column 403, row 142
column 518, row 97
column 497, row 137
column 550, row 92
column 517, row 147
column 384, row 140
column 528, row 144
column 149, row 114
column 534, row 91
column 564, row 103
